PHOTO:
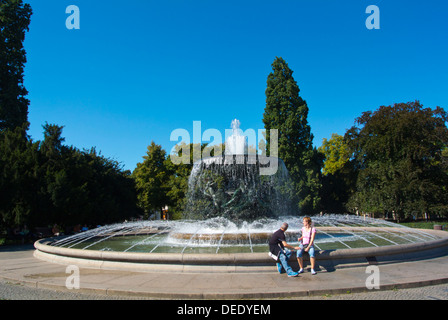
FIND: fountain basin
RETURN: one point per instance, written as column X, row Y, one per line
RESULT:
column 185, row 258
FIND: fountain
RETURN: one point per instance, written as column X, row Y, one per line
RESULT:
column 232, row 210
column 232, row 186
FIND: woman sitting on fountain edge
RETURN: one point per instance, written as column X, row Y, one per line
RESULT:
column 307, row 241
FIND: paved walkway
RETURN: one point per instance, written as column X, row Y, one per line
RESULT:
column 406, row 280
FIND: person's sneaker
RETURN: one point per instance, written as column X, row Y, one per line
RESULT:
column 301, row 271
column 313, row 272
column 279, row 268
column 293, row 274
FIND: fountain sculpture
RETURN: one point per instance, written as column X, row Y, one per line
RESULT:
column 232, row 185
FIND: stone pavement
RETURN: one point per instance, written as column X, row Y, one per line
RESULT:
column 17, row 291
column 18, row 266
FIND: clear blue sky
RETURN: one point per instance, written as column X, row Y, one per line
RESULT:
column 139, row 69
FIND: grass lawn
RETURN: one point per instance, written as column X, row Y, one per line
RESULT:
column 426, row 224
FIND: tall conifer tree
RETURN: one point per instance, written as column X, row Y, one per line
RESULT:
column 15, row 17
column 288, row 112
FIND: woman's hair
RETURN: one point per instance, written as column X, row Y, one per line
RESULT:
column 308, row 219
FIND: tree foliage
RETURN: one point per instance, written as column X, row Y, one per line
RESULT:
column 14, row 21
column 335, row 152
column 398, row 154
column 46, row 182
column 338, row 175
column 19, row 177
column 151, row 177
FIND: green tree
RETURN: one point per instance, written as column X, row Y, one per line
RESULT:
column 14, row 21
column 336, row 153
column 18, row 177
column 151, row 178
column 46, row 182
column 287, row 112
column 17, row 153
column 55, row 188
column 80, row 187
column 338, row 175
column 104, row 193
column 397, row 152
column 177, row 184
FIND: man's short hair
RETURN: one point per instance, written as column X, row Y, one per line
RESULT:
column 285, row 226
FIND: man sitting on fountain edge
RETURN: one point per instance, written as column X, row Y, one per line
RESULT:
column 277, row 251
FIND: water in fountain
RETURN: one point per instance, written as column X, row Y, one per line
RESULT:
column 220, row 235
column 232, row 186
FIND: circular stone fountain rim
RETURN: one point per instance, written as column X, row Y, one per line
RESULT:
column 96, row 258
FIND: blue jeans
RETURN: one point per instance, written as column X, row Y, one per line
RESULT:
column 302, row 249
column 284, row 257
